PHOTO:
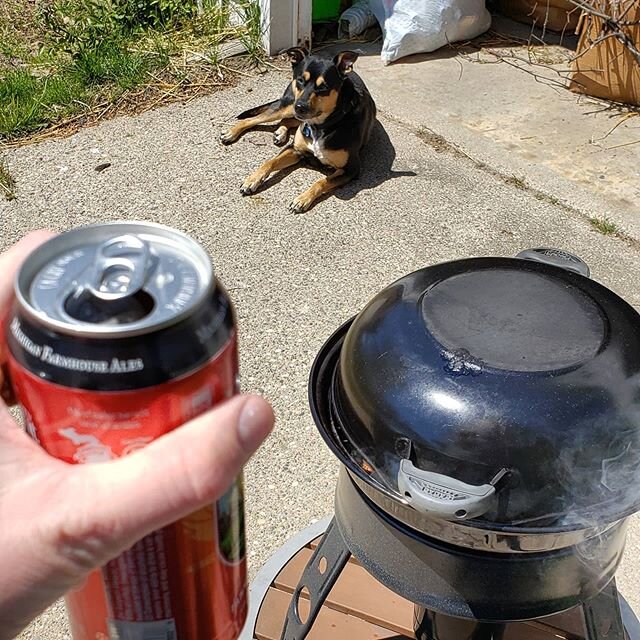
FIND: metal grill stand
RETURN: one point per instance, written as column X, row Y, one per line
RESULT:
column 604, row 618
column 319, row 576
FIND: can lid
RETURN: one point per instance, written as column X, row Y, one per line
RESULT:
column 115, row 279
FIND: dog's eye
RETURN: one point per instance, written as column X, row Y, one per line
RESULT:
column 322, row 90
column 299, row 83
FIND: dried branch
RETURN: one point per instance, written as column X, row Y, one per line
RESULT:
column 592, row 44
column 517, row 62
column 585, row 6
column 613, row 26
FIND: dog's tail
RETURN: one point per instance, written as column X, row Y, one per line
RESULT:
column 251, row 113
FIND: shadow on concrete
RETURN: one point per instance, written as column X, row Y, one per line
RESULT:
column 378, row 157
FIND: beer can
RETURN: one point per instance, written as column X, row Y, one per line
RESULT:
column 120, row 333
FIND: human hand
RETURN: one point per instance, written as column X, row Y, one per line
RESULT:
column 58, row 521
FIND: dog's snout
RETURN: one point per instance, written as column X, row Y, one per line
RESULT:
column 301, row 107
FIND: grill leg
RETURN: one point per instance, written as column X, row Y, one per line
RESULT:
column 429, row 625
column 602, row 615
column 318, row 577
column 486, row 631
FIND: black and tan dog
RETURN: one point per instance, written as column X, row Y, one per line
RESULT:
column 333, row 113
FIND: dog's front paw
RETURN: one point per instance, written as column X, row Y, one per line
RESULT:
column 251, row 185
column 228, row 137
column 301, row 204
column 281, row 137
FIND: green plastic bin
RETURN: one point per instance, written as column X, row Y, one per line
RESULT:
column 325, row 10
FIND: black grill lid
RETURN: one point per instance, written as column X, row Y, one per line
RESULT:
column 498, row 388
column 513, row 320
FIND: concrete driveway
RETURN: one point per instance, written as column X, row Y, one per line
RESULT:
column 295, row 278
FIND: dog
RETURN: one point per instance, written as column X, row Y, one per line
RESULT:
column 333, row 114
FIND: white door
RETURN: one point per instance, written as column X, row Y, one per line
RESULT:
column 286, row 23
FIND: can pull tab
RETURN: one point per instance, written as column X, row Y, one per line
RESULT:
column 112, row 290
column 120, row 269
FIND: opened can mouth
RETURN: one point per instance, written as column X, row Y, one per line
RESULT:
column 496, row 439
column 116, row 279
column 126, row 305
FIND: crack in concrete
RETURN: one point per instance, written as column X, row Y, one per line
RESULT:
column 441, row 145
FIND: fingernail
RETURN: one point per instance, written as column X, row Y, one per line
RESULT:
column 255, row 423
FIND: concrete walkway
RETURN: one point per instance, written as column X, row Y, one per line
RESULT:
column 296, row 278
column 505, row 106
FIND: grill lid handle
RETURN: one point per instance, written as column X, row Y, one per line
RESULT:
column 557, row 258
column 445, row 497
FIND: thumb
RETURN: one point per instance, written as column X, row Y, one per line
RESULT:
column 173, row 476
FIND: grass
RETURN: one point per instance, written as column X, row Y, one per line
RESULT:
column 67, row 61
column 604, row 226
column 29, row 102
column 109, row 64
column 7, row 183
column 251, row 37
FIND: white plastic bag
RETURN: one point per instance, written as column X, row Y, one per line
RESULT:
column 420, row 26
column 356, row 19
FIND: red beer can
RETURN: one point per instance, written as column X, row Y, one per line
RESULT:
column 120, row 333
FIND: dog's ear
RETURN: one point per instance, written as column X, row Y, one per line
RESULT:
column 345, row 60
column 296, row 54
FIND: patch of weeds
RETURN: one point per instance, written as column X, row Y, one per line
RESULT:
column 214, row 20
column 61, row 59
column 251, row 35
column 75, row 25
column 440, row 144
column 110, row 62
column 160, row 49
column 20, row 33
column 434, row 140
column 604, row 226
column 28, row 102
column 517, row 182
column 7, row 182
column 545, row 197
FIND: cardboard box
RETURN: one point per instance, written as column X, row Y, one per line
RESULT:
column 608, row 70
column 555, row 15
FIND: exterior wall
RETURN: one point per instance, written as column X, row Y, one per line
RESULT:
column 285, row 23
